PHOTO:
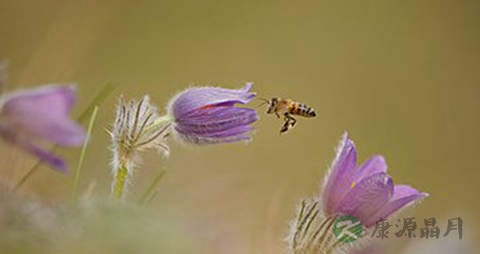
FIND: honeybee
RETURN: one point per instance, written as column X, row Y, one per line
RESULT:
column 288, row 108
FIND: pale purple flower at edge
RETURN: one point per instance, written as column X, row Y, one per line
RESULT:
column 207, row 115
column 366, row 192
column 40, row 114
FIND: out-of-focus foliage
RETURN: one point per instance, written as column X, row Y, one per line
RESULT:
column 92, row 226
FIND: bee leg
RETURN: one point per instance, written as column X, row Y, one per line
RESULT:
column 278, row 116
column 289, row 122
column 294, row 121
column 289, row 118
column 285, row 127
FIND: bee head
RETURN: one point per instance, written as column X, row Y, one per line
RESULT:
column 272, row 105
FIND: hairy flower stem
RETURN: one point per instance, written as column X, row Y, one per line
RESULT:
column 120, row 181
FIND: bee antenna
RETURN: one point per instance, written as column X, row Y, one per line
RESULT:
column 265, row 102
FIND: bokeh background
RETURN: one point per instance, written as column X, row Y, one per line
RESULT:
column 403, row 77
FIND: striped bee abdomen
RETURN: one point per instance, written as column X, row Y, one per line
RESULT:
column 302, row 110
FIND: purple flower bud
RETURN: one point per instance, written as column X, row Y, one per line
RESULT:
column 366, row 191
column 207, row 115
column 40, row 113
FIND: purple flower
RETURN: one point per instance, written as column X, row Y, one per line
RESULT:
column 366, row 191
column 207, row 115
column 40, row 113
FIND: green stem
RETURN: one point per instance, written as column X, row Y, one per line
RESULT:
column 152, row 197
column 120, row 181
column 27, row 175
column 83, row 152
column 150, row 188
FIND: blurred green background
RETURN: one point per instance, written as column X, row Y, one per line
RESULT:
column 403, row 77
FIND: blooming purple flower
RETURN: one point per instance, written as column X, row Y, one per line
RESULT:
column 40, row 113
column 366, row 191
column 207, row 115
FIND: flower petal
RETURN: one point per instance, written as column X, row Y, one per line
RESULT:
column 66, row 133
column 366, row 197
column 403, row 196
column 43, row 113
column 376, row 164
column 49, row 100
column 54, row 161
column 214, row 120
column 229, row 132
column 228, row 136
column 203, row 97
column 347, row 179
column 337, row 184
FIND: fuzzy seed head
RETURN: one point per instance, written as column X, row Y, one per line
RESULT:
column 311, row 232
column 137, row 128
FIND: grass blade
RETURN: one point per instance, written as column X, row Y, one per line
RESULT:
column 76, row 180
column 150, row 188
column 97, row 101
column 150, row 200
